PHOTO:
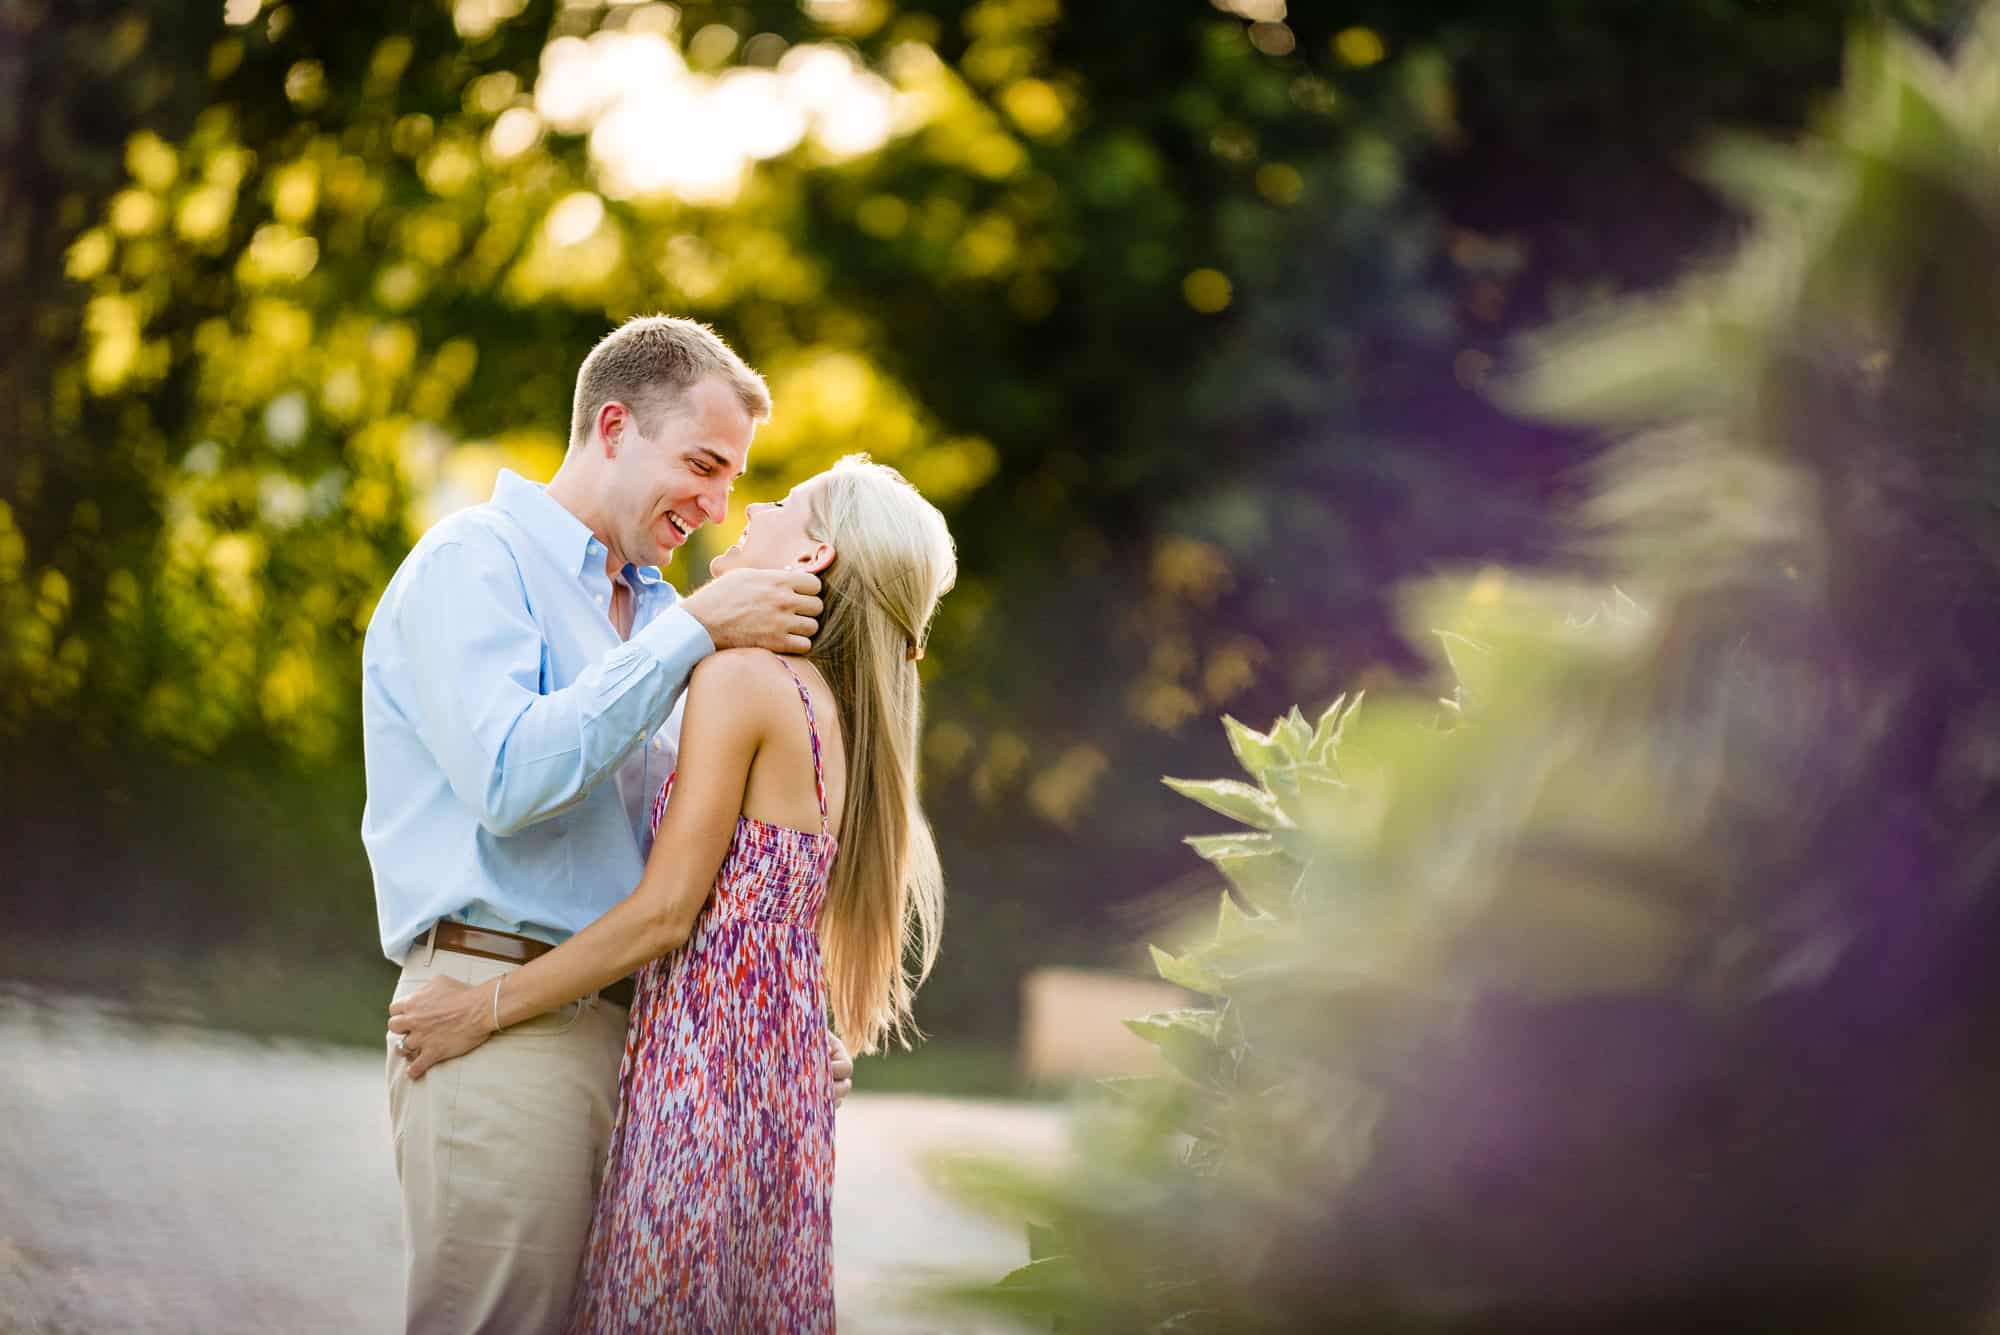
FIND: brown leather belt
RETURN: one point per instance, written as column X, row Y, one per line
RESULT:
column 488, row 944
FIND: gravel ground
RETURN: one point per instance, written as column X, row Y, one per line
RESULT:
column 177, row 1180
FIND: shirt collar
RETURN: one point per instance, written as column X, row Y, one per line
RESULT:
column 564, row 536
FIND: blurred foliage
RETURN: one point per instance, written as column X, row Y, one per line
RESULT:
column 1645, row 982
column 1186, row 318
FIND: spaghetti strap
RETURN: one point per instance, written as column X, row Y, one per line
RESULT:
column 812, row 727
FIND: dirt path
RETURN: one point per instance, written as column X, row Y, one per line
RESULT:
column 177, row 1180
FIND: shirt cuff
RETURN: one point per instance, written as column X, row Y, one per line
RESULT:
column 677, row 640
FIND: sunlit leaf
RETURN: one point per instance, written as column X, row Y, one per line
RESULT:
column 1254, row 750
column 1238, row 801
column 1260, row 867
column 1187, row 1039
column 1185, row 971
column 1332, row 720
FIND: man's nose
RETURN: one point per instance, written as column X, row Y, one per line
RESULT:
column 714, row 504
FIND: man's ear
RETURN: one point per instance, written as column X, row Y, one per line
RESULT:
column 818, row 559
column 610, row 422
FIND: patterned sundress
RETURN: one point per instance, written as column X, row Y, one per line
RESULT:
column 716, row 1209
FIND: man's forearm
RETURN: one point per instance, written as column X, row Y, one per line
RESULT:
column 556, row 748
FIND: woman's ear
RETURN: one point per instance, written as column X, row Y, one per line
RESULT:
column 818, row 559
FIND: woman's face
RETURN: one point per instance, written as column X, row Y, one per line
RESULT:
column 775, row 537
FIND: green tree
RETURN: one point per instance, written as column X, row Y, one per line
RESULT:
column 1185, row 318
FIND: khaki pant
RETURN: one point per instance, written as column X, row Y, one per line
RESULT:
column 499, row 1153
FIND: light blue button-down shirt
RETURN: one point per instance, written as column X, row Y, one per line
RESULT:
column 513, row 742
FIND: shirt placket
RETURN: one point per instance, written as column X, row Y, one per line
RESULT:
column 654, row 770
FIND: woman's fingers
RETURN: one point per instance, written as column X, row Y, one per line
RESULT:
column 420, row 1058
column 430, row 1025
column 401, row 1005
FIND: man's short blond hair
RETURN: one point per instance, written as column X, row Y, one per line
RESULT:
column 649, row 363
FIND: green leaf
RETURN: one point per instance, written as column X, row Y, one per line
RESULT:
column 1236, row 800
column 1256, row 864
column 1767, row 177
column 1468, row 659
column 1164, row 1105
column 1294, row 734
column 1203, row 1021
column 1186, row 1038
column 1282, row 780
column 1143, row 1091
column 1254, row 750
column 1186, row 971
column 1046, row 1287
column 1316, row 806
column 1234, row 927
column 1332, row 724
column 1634, row 365
column 1301, row 846
column 1214, row 847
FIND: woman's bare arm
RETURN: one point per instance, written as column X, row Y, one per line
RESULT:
column 727, row 719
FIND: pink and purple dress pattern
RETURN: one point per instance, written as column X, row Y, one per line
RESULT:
column 716, row 1209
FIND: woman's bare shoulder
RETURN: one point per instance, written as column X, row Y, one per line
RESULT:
column 750, row 680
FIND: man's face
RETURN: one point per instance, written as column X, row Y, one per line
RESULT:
column 670, row 482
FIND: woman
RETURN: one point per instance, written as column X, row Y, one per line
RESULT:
column 715, row 1208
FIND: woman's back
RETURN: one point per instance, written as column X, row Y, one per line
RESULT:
column 780, row 787
column 716, row 1212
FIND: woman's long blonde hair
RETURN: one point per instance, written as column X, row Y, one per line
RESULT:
column 893, row 560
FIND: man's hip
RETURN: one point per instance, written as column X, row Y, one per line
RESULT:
column 504, row 948
column 498, row 1154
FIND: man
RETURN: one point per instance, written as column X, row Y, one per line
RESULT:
column 518, row 677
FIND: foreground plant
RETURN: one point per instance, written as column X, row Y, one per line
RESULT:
column 1657, row 991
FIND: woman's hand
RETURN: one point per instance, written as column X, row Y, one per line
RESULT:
column 839, row 1068
column 440, row 1020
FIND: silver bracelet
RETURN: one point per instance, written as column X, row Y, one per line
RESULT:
column 496, row 1001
